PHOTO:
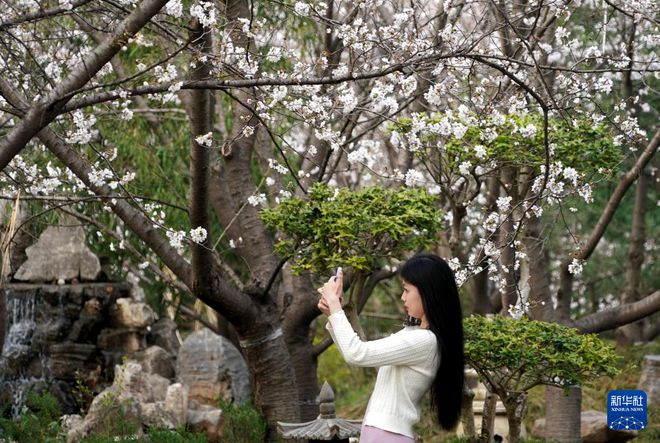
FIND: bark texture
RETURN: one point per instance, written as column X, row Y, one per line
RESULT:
column 563, row 414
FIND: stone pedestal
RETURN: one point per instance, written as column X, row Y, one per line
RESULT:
column 649, row 381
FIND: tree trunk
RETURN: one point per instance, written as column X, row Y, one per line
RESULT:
column 482, row 302
column 633, row 332
column 516, row 406
column 488, row 418
column 540, row 302
column 562, row 414
column 298, row 309
column 3, row 316
column 304, row 363
column 275, row 391
column 467, row 415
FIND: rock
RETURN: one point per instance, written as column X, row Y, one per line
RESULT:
column 135, row 398
column 127, row 313
column 52, row 335
column 164, row 334
column 67, row 359
column 649, row 380
column 176, row 403
column 156, row 360
column 59, row 254
column 593, row 429
column 70, row 422
column 111, row 412
column 210, row 367
column 147, row 388
column 123, row 340
column 155, row 414
column 207, row 420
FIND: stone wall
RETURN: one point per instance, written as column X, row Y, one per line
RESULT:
column 58, row 336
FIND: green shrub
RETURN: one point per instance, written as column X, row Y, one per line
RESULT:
column 159, row 435
column 242, row 423
column 38, row 422
column 339, row 227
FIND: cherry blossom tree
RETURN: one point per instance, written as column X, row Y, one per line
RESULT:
column 166, row 125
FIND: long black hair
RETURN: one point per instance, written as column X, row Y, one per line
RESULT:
column 436, row 284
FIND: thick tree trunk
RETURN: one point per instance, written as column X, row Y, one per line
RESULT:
column 516, row 406
column 275, row 390
column 298, row 310
column 633, row 332
column 562, row 414
column 304, row 363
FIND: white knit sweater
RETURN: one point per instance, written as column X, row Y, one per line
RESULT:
column 408, row 361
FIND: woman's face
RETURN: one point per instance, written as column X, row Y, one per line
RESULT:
column 412, row 300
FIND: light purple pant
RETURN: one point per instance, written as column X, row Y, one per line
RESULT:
column 369, row 434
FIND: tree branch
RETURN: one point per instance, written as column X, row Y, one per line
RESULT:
column 614, row 317
column 45, row 111
column 566, row 281
column 200, row 112
column 616, row 197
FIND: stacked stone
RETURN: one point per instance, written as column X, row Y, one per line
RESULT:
column 61, row 351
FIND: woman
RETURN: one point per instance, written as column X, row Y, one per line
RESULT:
column 426, row 354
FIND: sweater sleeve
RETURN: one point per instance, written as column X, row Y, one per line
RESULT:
column 407, row 348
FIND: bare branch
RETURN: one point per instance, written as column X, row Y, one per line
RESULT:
column 620, row 315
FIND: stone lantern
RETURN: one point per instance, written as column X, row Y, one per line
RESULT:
column 327, row 427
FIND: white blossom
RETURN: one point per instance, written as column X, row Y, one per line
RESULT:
column 204, row 12
column 464, row 167
column 176, row 239
column 504, row 203
column 480, row 152
column 575, row 267
column 205, row 140
column 174, row 8
column 528, row 131
column 301, row 8
column 256, row 200
column 413, row 178
column 84, row 132
column 248, row 131
column 198, row 234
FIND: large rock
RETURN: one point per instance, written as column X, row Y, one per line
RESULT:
column 113, row 411
column 134, row 399
column 127, row 313
column 156, row 360
column 649, row 381
column 163, row 333
column 212, row 368
column 207, row 420
column 60, row 254
column 593, row 429
column 176, row 402
column 147, row 388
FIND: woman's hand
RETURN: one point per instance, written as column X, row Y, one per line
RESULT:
column 332, row 294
